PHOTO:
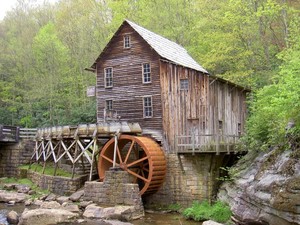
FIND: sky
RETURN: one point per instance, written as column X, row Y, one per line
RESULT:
column 6, row 5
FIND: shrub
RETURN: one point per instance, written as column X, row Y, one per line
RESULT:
column 219, row 212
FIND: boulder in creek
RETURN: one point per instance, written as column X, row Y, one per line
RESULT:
column 123, row 213
column 6, row 196
column 46, row 217
column 211, row 222
column 12, row 217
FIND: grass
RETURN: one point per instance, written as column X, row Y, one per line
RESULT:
column 49, row 170
column 219, row 212
column 24, row 181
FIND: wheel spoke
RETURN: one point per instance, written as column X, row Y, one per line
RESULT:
column 119, row 154
column 129, row 151
column 145, row 169
column 107, row 159
column 138, row 176
column 137, row 161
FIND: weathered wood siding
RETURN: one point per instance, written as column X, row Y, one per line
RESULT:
column 201, row 108
column 128, row 88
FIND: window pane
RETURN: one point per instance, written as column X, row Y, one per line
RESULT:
column 147, row 107
column 146, row 73
column 108, row 105
column 108, row 77
column 127, row 41
column 184, row 84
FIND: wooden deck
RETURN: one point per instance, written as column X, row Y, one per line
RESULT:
column 206, row 143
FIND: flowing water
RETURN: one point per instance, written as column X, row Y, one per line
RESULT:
column 149, row 219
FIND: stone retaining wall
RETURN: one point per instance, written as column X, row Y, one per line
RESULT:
column 115, row 190
column 189, row 178
column 14, row 155
column 57, row 185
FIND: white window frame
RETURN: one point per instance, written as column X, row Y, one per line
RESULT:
column 127, row 41
column 106, row 78
column 147, row 109
column 146, row 74
column 184, row 84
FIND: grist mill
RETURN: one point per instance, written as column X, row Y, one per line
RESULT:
column 161, row 118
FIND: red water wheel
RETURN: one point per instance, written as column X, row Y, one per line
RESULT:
column 141, row 157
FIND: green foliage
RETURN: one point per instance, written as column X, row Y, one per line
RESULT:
column 275, row 105
column 219, row 212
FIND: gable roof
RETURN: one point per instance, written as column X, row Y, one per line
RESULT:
column 167, row 49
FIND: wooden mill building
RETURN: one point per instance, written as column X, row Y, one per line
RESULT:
column 143, row 77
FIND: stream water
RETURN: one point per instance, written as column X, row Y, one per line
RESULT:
column 149, row 219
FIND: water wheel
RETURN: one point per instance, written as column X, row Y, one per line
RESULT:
column 141, row 157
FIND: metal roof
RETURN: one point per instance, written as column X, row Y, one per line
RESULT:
column 167, row 49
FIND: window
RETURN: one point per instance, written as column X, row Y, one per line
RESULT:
column 127, row 43
column 184, row 84
column 108, row 104
column 239, row 129
column 108, row 77
column 147, row 101
column 146, row 73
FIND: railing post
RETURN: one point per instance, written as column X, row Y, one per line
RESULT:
column 193, row 143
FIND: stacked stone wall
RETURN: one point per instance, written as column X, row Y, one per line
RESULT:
column 14, row 155
column 115, row 190
column 189, row 178
column 56, row 184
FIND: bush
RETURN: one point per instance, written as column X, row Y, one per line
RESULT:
column 219, row 212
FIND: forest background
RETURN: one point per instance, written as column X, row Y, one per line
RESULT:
column 45, row 49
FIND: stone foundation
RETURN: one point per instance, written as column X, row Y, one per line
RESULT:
column 57, row 185
column 189, row 178
column 14, row 155
column 115, row 190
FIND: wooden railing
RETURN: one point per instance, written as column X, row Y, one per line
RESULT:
column 29, row 133
column 206, row 143
column 9, row 133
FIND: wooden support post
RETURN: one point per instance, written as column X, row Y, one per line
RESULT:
column 93, row 157
column 58, row 154
column 218, row 145
column 75, row 156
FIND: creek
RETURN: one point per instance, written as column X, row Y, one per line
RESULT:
column 149, row 219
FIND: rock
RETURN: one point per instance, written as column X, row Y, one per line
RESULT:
column 12, row 217
column 50, row 205
column 43, row 197
column 6, row 196
column 9, row 186
column 70, row 207
column 11, row 203
column 124, row 213
column 32, row 192
column 38, row 202
column 62, row 199
column 76, row 196
column 115, row 222
column 51, row 197
column 84, row 204
column 267, row 191
column 46, row 217
column 210, row 222
column 28, row 202
column 21, row 188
